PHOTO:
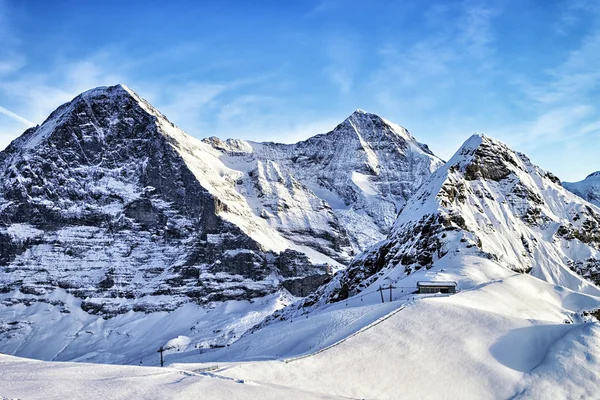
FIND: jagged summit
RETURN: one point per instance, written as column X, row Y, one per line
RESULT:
column 364, row 124
column 484, row 157
column 107, row 90
column 93, row 113
column 121, row 94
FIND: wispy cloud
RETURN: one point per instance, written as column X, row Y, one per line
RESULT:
column 562, row 110
column 426, row 68
column 16, row 117
column 235, row 108
column 343, row 52
column 446, row 73
column 564, row 104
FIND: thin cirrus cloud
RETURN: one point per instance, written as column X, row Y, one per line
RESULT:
column 16, row 117
column 563, row 121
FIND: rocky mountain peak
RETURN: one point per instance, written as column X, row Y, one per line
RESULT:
column 371, row 126
column 88, row 118
column 111, row 91
column 487, row 158
column 359, row 115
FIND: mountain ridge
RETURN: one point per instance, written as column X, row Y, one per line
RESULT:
column 487, row 203
column 109, row 212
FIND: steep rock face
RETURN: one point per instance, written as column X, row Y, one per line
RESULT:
column 589, row 188
column 110, row 201
column 109, row 213
column 337, row 192
column 487, row 203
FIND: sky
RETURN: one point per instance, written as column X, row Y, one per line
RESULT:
column 526, row 72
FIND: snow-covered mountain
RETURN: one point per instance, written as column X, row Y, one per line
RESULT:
column 109, row 211
column 337, row 192
column 489, row 203
column 589, row 188
column 523, row 250
column 111, row 202
column 524, row 324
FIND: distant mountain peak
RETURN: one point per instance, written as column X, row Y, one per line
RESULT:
column 588, row 189
column 359, row 111
column 359, row 114
column 114, row 102
column 117, row 92
column 367, row 124
column 594, row 175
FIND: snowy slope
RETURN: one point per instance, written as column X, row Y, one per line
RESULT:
column 91, row 381
column 589, row 188
column 502, row 339
column 56, row 328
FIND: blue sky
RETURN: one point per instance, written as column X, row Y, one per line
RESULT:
column 524, row 71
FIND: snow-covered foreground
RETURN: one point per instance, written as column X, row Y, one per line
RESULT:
column 29, row 379
column 514, row 336
column 521, row 249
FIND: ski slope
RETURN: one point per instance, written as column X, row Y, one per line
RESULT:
column 504, row 335
column 30, row 379
column 512, row 337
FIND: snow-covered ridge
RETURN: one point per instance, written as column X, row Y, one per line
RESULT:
column 489, row 203
column 133, row 207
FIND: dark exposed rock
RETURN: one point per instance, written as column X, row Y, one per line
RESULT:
column 102, row 197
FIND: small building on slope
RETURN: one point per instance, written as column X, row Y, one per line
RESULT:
column 436, row 287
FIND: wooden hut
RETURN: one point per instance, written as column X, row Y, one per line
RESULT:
column 436, row 287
